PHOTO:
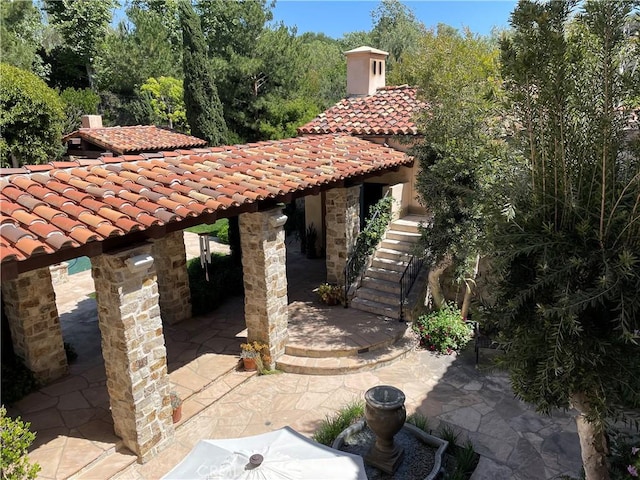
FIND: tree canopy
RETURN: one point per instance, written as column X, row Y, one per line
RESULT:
column 568, row 258
column 464, row 153
column 203, row 107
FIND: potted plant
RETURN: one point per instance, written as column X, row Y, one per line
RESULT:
column 255, row 356
column 331, row 294
column 176, row 405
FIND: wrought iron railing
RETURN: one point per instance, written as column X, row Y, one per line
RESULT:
column 408, row 279
column 356, row 264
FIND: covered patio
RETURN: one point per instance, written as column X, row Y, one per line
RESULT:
column 72, row 416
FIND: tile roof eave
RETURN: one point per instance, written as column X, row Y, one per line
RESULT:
column 263, row 171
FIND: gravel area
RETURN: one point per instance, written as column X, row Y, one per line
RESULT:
column 417, row 463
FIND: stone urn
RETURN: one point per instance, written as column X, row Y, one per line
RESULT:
column 385, row 415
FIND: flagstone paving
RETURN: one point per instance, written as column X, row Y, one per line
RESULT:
column 515, row 442
column 75, row 431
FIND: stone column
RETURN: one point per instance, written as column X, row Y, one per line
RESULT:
column 30, row 306
column 343, row 226
column 264, row 265
column 133, row 348
column 173, row 281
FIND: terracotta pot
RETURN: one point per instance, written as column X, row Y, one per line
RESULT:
column 249, row 364
column 177, row 413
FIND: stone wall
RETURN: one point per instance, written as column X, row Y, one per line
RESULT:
column 173, row 281
column 264, row 258
column 343, row 226
column 30, row 306
column 134, row 352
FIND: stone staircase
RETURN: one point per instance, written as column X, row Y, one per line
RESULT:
column 379, row 292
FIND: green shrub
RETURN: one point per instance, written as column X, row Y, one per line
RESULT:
column 223, row 233
column 332, row 426
column 16, row 440
column 17, row 381
column 225, row 280
column 31, row 117
column 443, row 331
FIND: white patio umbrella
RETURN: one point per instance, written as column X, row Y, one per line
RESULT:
column 283, row 454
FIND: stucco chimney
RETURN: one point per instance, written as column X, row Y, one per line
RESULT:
column 92, row 121
column 365, row 71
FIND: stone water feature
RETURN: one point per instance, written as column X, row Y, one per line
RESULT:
column 391, row 448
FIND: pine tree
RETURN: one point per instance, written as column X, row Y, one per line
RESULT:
column 204, row 110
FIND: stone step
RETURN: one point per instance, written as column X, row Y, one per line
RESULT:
column 394, row 265
column 391, row 334
column 365, row 360
column 403, row 236
column 375, row 307
column 379, row 296
column 405, row 225
column 382, row 285
column 384, row 274
column 392, row 254
column 398, row 245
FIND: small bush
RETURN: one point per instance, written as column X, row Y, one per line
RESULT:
column 332, row 426
column 223, row 233
column 17, row 381
column 225, row 280
column 443, row 331
column 16, row 440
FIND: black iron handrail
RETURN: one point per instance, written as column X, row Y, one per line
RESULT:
column 352, row 269
column 408, row 279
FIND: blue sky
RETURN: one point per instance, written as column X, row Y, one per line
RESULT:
column 336, row 17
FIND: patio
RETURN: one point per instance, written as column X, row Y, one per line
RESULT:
column 75, row 431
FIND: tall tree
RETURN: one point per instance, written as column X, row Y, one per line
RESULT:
column 568, row 303
column 204, row 110
column 396, row 30
column 21, row 32
column 463, row 153
column 256, row 67
column 81, row 25
column 137, row 50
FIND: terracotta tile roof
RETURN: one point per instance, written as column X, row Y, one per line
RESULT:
column 58, row 208
column 139, row 138
column 387, row 112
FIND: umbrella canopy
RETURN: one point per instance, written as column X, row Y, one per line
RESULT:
column 281, row 454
